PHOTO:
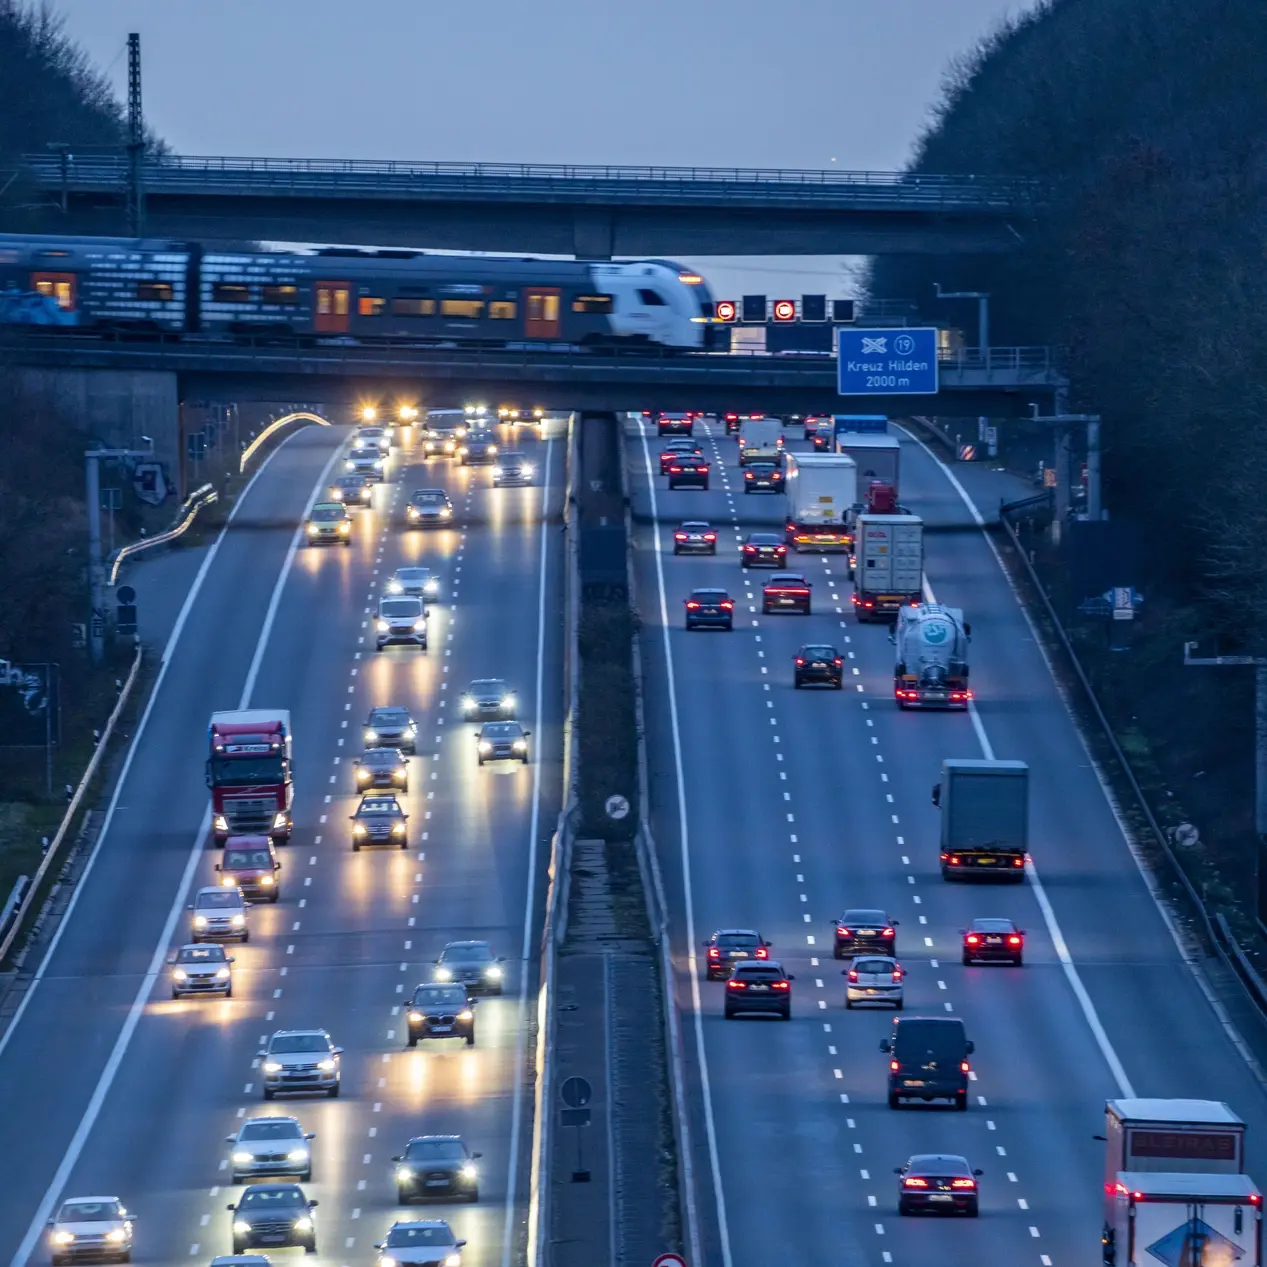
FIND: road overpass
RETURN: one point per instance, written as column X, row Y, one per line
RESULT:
column 590, row 211
column 1002, row 383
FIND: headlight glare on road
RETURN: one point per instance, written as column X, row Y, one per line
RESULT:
column 387, row 1261
column 272, row 1066
column 241, row 1227
column 243, row 1158
column 453, row 1260
column 326, row 1066
column 297, row 1154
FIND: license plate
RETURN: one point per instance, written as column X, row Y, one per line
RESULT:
column 437, row 1183
column 760, row 987
column 739, row 954
column 940, row 1196
column 866, row 932
column 994, row 941
column 273, row 1238
column 986, row 862
column 935, row 694
column 913, row 1082
column 441, row 1029
column 818, row 664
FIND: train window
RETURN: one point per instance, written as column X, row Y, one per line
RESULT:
column 468, row 308
column 371, row 305
column 414, row 307
column 594, row 303
column 652, row 298
column 502, row 309
column 542, row 307
column 157, row 291
column 58, row 286
column 282, row 296
column 231, row 293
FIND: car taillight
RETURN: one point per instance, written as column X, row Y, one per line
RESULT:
column 732, row 984
column 799, row 661
column 963, row 1066
column 954, row 860
column 963, row 1183
column 727, row 606
column 868, row 603
column 912, row 1181
column 972, row 939
column 843, row 932
column 897, row 974
column 710, row 536
column 714, row 953
column 888, row 932
column 762, row 953
column 675, row 470
column 838, row 662
column 750, row 549
column 646, row 413
column 779, row 985
column 853, row 974
column 1013, row 940
column 679, row 536
column 691, row 606
column 893, row 1066
column 1018, row 862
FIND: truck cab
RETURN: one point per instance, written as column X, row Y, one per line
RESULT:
column 250, row 774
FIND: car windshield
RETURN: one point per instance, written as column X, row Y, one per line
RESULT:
column 938, row 1166
column 388, row 717
column 750, row 973
column 299, row 1042
column 502, row 730
column 440, row 996
column 246, row 858
column 787, row 578
column 737, row 941
column 708, row 596
column 694, row 525
column 466, row 954
column 412, row 576
column 201, row 954
column 400, row 607
column 818, row 653
column 930, row 1042
column 226, row 899
column 867, row 919
column 326, row 514
column 365, row 455
column 993, row 926
column 873, row 965
column 764, row 539
column 402, row 1236
column 762, row 468
column 242, row 771
column 378, row 805
column 352, row 481
column 488, row 686
column 270, row 1198
column 271, row 1128
column 429, row 499
column 381, row 757
column 513, row 457
column 88, row 1211
column 435, row 1150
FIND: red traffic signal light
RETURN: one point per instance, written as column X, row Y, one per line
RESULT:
column 784, row 310
column 726, row 310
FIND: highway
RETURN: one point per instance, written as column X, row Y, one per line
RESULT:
column 110, row 1086
column 776, row 809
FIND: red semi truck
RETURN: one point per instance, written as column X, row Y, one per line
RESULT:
column 249, row 773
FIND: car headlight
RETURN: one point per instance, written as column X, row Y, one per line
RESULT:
column 509, row 701
column 279, row 819
column 378, row 463
column 538, row 413
column 337, row 495
column 297, row 1154
column 362, row 775
column 222, row 974
column 345, row 526
column 371, row 736
column 493, row 971
column 463, row 451
column 326, row 1066
column 395, row 587
column 412, row 511
column 228, row 882
column 415, row 1017
column 520, row 745
column 526, row 469
column 444, row 974
column 445, row 512
column 466, row 702
column 431, row 586
column 411, row 730
column 468, row 1171
column 116, row 1235
column 62, row 1238
column 498, row 472
column 398, row 829
column 200, row 921
column 387, row 1261
column 466, row 1015
column 220, row 823
column 358, row 829
column 485, row 746
column 265, row 881
column 179, row 974
column 382, row 626
column 420, row 626
column 492, row 450
column 238, row 921
column 241, row 1227
column 272, row 1066
column 453, row 1260
column 349, row 465
column 243, row 1158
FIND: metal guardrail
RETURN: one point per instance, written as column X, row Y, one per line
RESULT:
column 198, row 500
column 76, row 800
column 1217, row 934
column 558, row 181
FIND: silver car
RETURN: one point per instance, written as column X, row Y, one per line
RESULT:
column 91, row 1230
column 371, row 437
column 270, row 1146
column 412, row 1241
column 300, row 1060
column 219, row 914
column 418, row 582
column 874, row 979
column 488, row 699
column 202, row 970
column 429, row 508
column 369, row 462
column 512, row 468
column 400, row 620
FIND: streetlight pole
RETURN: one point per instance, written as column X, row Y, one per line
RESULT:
column 983, row 314
column 1062, row 422
column 1259, row 665
column 96, row 561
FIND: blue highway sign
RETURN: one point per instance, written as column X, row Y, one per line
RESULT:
column 887, row 362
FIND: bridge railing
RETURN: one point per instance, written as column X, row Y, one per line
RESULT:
column 189, row 171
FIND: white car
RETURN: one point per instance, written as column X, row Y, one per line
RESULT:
column 874, row 979
column 429, row 507
column 400, row 620
column 270, row 1146
column 420, row 1241
column 417, row 582
column 198, row 969
column 512, row 469
column 91, row 1229
column 369, row 462
column 219, row 914
column 369, row 437
column 300, row 1060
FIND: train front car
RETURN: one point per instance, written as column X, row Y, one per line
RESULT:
column 660, row 303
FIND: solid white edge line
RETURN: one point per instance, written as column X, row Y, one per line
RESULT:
column 157, row 960
column 687, row 891
column 516, row 1111
column 169, row 650
column 1040, row 894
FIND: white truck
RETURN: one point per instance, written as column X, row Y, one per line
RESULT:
column 878, row 457
column 888, row 572
column 760, row 440
column 931, row 667
column 821, row 490
column 1175, row 1190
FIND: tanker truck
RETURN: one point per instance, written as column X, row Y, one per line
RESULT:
column 931, row 670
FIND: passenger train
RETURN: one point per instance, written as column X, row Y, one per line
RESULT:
column 186, row 289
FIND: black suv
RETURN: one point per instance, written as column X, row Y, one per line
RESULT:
column 759, row 987
column 440, row 1011
column 689, row 471
column 730, row 946
column 862, row 932
column 928, row 1060
column 763, row 549
column 273, row 1214
column 436, row 1166
column 710, row 607
column 821, row 664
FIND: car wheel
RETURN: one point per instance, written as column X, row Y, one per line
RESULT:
column 412, row 1041
column 848, row 1005
column 481, row 760
column 310, row 1247
column 175, row 994
column 895, row 1100
column 470, row 1039
column 404, row 844
column 333, row 1093
column 236, row 1178
column 903, row 1208
column 473, row 1195
column 728, row 1014
column 269, row 1093
column 967, row 959
column 838, row 684
column 972, row 1211
column 228, row 994
column 401, row 1198
column 837, row 953
column 306, row 1177
column 961, row 1101
column 787, row 1016
column 275, row 895
column 246, row 937
column 706, row 486
column 355, row 847
column 1018, row 961
column 525, row 761
column 796, row 682
column 239, row 1247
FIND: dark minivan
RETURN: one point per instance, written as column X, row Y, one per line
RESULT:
column 928, row 1060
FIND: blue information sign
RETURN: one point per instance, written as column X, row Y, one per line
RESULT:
column 893, row 362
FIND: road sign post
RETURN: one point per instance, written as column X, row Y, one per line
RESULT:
column 886, row 362
column 576, row 1094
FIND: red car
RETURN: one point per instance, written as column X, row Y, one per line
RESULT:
column 994, row 940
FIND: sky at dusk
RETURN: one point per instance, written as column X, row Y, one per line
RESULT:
column 804, row 83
